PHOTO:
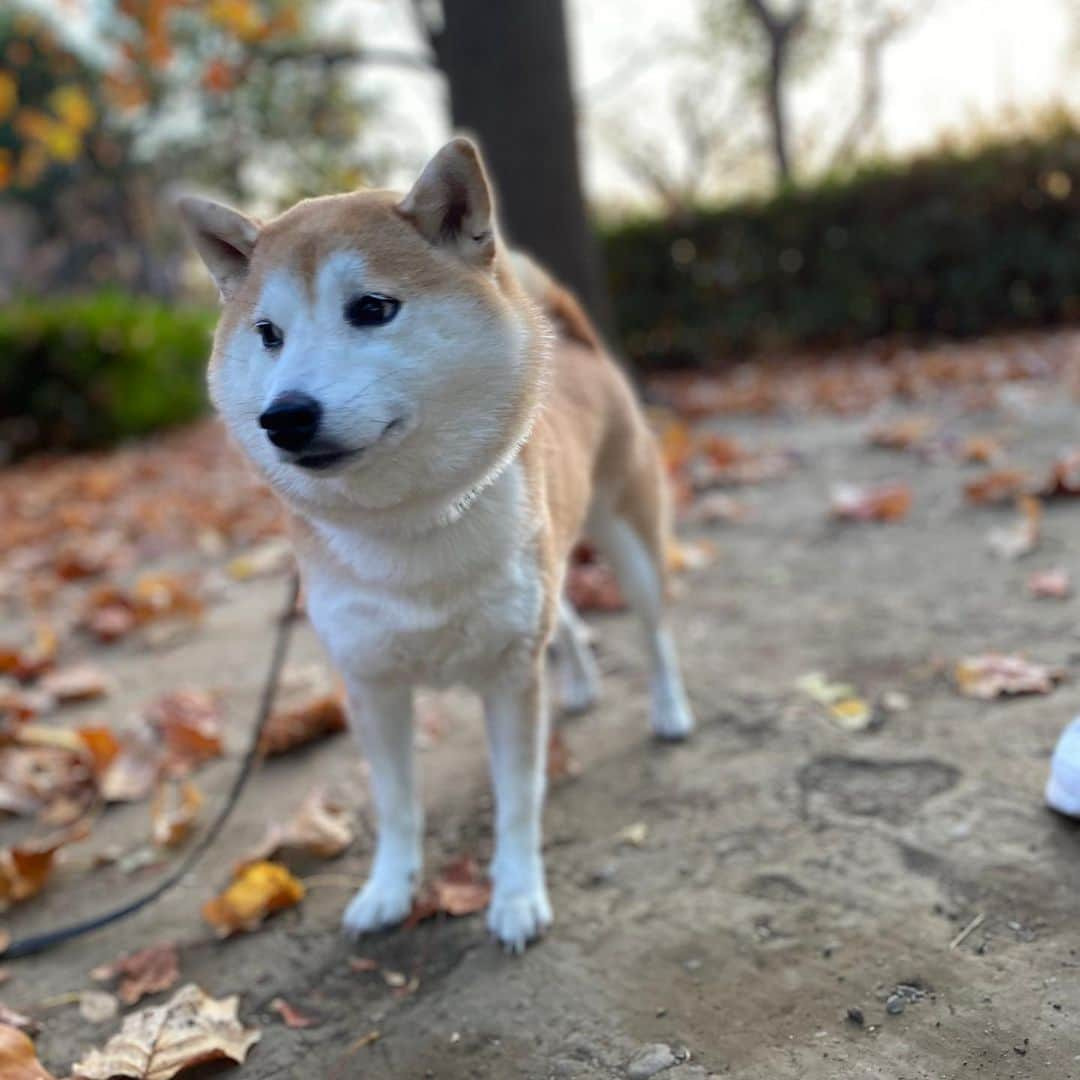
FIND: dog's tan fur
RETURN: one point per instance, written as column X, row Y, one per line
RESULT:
column 550, row 433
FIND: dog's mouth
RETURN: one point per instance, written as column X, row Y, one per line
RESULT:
column 322, row 460
column 326, row 458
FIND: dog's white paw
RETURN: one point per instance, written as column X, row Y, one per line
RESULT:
column 381, row 903
column 578, row 693
column 516, row 918
column 672, row 717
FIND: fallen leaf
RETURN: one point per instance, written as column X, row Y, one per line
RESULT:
column 1022, row 537
column 1053, row 584
column 157, row 1043
column 981, row 449
column 24, row 870
column 461, row 889
column 83, row 682
column 363, row 964
column 296, row 727
column 905, row 434
column 996, row 675
column 291, row 1016
column 18, row 1060
column 133, row 772
column 96, row 1006
column 714, row 507
column 320, row 827
column 272, row 557
column 18, row 1020
column 34, row 659
column 886, row 502
column 174, row 812
column 257, row 890
column 817, row 687
column 1000, row 485
column 852, row 714
column 561, row 763
column 593, row 587
column 686, row 555
column 146, row 971
column 101, row 745
column 190, row 723
column 1064, row 478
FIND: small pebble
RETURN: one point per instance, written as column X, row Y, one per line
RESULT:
column 649, row 1060
column 895, row 1005
column 855, row 1015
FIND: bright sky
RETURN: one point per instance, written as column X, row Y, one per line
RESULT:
column 966, row 62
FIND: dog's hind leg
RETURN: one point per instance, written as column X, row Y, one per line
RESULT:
column 383, row 718
column 633, row 534
column 577, row 680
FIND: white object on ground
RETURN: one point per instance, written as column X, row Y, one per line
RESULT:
column 1063, row 785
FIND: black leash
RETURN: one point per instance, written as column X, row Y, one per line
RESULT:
column 37, row 943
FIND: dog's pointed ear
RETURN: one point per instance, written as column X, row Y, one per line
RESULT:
column 451, row 204
column 224, row 238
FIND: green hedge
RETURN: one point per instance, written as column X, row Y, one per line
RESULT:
column 954, row 244
column 86, row 371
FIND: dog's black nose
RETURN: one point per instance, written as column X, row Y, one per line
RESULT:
column 291, row 420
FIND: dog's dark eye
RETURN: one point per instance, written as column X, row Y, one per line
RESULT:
column 371, row 310
column 272, row 337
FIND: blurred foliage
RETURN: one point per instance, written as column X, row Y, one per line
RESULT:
column 957, row 243
column 95, row 128
column 87, row 371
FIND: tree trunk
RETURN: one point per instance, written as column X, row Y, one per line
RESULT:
column 775, row 105
column 509, row 74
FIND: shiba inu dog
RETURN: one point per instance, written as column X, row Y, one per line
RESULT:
column 442, row 424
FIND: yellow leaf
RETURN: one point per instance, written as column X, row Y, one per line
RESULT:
column 257, row 890
column 17, row 1058
column 9, row 94
column 72, row 105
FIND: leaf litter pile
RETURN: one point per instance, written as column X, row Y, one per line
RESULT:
column 129, row 550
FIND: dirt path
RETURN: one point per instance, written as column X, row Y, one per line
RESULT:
column 789, row 870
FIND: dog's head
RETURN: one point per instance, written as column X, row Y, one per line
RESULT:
column 374, row 350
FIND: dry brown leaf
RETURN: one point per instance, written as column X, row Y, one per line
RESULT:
column 133, row 772
column 146, row 971
column 320, row 827
column 18, row 1020
column 996, row 675
column 190, row 723
column 905, row 434
column 18, row 1059
column 1000, row 485
column 257, row 890
column 592, row 587
column 1022, row 537
column 561, row 763
column 24, row 870
column 101, row 745
column 34, row 659
column 1064, row 478
column 291, row 1016
column 296, row 727
column 981, row 449
column 81, row 682
column 1053, row 584
column 461, row 889
column 157, row 1043
column 886, row 502
column 174, row 812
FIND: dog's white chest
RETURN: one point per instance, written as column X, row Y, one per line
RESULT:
column 436, row 609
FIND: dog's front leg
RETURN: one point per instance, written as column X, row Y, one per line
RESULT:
column 516, row 714
column 382, row 716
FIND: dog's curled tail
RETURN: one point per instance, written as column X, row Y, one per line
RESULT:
column 559, row 304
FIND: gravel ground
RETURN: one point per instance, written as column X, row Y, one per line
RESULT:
column 789, row 910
